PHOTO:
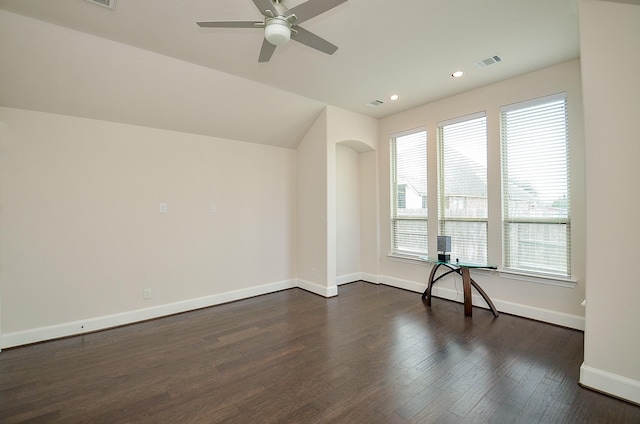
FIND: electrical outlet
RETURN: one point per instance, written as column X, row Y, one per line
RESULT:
column 163, row 208
column 146, row 294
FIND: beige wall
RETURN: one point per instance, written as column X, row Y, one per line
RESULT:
column 81, row 231
column 369, row 216
column 357, row 242
column 347, row 212
column 533, row 297
column 319, row 176
column 354, row 138
column 609, row 39
column 312, row 209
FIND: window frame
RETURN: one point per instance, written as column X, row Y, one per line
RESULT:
column 442, row 218
column 395, row 217
column 508, row 220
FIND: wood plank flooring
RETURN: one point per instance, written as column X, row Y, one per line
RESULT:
column 374, row 354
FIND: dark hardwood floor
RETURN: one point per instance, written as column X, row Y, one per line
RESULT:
column 374, row 354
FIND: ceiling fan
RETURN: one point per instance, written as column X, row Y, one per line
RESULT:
column 281, row 24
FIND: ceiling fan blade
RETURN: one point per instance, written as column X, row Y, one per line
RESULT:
column 308, row 38
column 311, row 9
column 266, row 51
column 264, row 5
column 230, row 24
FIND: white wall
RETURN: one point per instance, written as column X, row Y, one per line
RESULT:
column 81, row 231
column 80, row 262
column 356, row 131
column 535, row 298
column 347, row 213
column 610, row 55
column 312, row 211
column 318, row 179
column 360, row 133
column 357, row 242
column 369, row 216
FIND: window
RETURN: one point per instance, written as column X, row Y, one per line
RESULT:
column 409, row 193
column 462, row 186
column 535, row 184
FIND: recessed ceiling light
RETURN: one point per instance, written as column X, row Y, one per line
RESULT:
column 457, row 74
column 393, row 97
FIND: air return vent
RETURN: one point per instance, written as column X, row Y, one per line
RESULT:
column 111, row 4
column 375, row 103
column 488, row 61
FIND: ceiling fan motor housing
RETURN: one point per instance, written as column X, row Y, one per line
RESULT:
column 277, row 30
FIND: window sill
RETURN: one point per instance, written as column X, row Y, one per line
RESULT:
column 509, row 275
column 412, row 259
column 538, row 279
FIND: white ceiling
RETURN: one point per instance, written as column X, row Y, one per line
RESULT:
column 404, row 47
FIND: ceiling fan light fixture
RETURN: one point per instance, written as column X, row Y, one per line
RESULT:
column 277, row 31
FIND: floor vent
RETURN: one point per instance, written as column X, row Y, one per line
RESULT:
column 488, row 61
column 111, row 4
column 375, row 103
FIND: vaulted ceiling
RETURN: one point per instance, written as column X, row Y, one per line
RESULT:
column 403, row 47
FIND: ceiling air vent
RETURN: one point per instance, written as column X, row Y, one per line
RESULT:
column 375, row 103
column 488, row 61
column 111, row 4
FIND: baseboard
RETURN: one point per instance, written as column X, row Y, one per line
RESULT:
column 369, row 278
column 40, row 334
column 402, row 284
column 74, row 328
column 526, row 311
column 323, row 291
column 348, row 278
column 552, row 317
column 611, row 384
column 356, row 276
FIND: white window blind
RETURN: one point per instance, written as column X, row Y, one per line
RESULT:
column 409, row 193
column 462, row 182
column 535, row 178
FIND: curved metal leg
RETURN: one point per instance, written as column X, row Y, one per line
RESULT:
column 427, row 292
column 485, row 297
column 466, row 288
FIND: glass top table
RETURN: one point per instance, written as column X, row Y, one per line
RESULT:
column 461, row 268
